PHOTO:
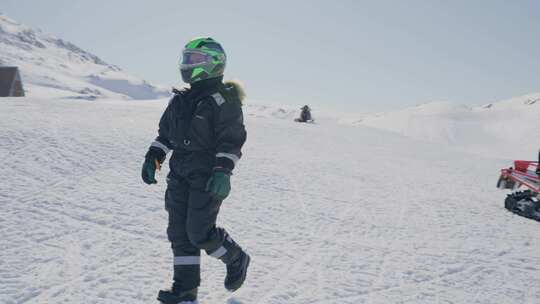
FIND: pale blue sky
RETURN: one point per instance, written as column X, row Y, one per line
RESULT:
column 346, row 55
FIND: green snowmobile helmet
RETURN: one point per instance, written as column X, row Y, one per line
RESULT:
column 202, row 58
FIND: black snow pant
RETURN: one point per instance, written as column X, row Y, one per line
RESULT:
column 192, row 227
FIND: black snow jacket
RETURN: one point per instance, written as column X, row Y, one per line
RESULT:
column 204, row 128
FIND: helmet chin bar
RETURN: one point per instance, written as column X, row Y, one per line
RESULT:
column 187, row 72
column 187, row 76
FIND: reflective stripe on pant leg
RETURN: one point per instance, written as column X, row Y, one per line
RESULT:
column 219, row 252
column 228, row 251
column 187, row 260
column 187, row 266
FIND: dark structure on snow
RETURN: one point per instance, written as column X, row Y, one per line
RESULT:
column 10, row 82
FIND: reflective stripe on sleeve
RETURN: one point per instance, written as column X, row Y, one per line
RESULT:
column 230, row 156
column 187, row 260
column 157, row 144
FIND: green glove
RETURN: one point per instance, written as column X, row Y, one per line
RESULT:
column 149, row 171
column 152, row 161
column 219, row 184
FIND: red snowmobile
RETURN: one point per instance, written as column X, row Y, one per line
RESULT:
column 524, row 175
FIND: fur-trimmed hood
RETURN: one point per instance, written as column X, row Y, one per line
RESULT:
column 236, row 89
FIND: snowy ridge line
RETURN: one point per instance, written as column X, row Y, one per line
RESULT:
column 479, row 129
column 53, row 67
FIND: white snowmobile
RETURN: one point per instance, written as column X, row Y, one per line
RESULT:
column 523, row 179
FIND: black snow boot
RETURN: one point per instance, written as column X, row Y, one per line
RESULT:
column 237, row 271
column 175, row 296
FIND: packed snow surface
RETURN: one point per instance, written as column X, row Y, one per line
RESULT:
column 330, row 213
column 51, row 66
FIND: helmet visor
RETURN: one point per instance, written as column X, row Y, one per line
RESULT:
column 193, row 57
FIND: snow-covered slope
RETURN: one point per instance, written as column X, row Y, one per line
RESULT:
column 506, row 128
column 330, row 214
column 53, row 67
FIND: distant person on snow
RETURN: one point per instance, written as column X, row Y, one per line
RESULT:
column 203, row 126
column 305, row 115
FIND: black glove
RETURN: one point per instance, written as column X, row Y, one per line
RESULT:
column 152, row 161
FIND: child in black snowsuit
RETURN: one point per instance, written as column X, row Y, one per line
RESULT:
column 203, row 126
